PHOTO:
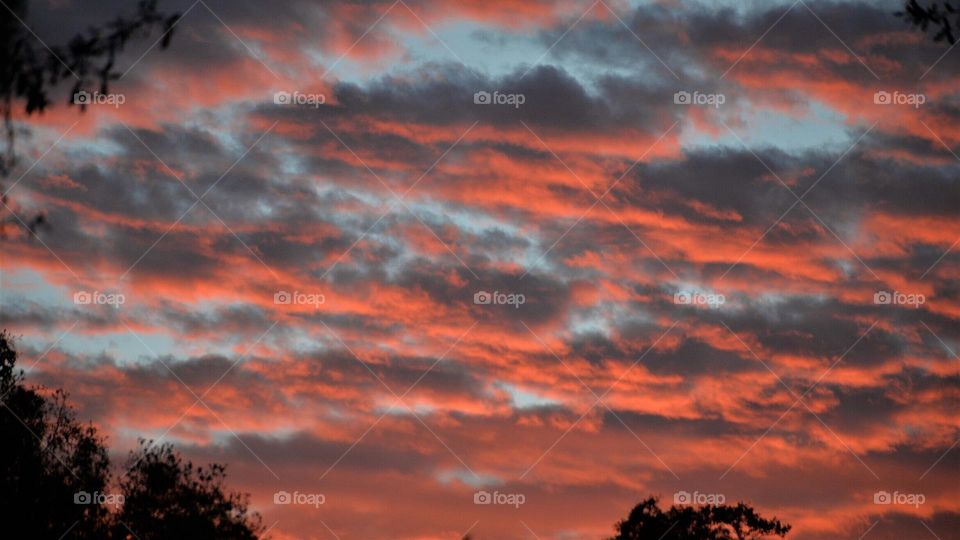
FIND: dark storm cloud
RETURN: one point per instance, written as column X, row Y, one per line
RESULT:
column 444, row 94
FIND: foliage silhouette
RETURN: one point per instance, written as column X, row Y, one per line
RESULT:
column 45, row 458
column 30, row 71
column 166, row 498
column 708, row 522
column 933, row 14
column 52, row 467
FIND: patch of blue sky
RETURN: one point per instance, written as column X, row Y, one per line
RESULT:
column 744, row 8
column 122, row 346
column 399, row 409
column 18, row 286
column 693, row 288
column 473, row 480
column 466, row 219
column 586, row 323
column 820, row 128
column 298, row 341
column 91, row 149
column 490, row 49
column 22, row 288
column 524, row 398
column 603, row 318
column 484, row 47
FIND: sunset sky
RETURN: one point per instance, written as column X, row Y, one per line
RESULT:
column 402, row 253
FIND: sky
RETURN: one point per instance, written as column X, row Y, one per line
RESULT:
column 415, row 269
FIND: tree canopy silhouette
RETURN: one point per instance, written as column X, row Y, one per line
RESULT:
column 45, row 458
column 167, row 498
column 30, row 70
column 933, row 14
column 708, row 522
column 54, row 473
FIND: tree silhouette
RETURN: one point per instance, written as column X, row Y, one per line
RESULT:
column 29, row 70
column 708, row 522
column 46, row 457
column 166, row 498
column 933, row 14
column 53, row 471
